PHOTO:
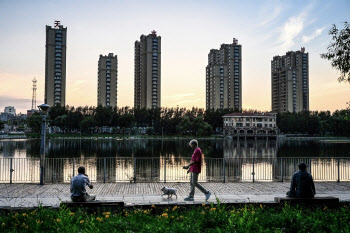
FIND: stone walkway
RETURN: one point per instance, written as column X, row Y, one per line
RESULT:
column 31, row 195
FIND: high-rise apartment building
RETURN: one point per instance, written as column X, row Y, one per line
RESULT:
column 107, row 80
column 224, row 77
column 290, row 82
column 55, row 65
column 147, row 71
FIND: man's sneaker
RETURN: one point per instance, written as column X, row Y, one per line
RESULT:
column 207, row 195
column 188, row 198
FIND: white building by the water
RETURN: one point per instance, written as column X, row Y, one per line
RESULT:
column 250, row 124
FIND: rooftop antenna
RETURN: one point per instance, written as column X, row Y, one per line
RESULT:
column 34, row 94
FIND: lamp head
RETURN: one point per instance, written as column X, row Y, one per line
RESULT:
column 44, row 107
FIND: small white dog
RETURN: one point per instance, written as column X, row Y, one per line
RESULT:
column 169, row 191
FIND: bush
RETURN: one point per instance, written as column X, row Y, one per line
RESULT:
column 206, row 218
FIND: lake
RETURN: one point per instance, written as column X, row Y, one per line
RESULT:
column 157, row 160
column 211, row 148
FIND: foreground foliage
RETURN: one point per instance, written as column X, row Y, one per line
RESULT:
column 339, row 51
column 206, row 218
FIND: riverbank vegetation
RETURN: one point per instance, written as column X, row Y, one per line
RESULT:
column 205, row 218
column 181, row 121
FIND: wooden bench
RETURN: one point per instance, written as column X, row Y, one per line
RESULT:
column 320, row 201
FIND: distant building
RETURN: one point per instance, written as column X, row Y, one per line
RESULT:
column 30, row 112
column 10, row 110
column 4, row 116
column 55, row 65
column 250, row 124
column 224, row 77
column 107, row 80
column 290, row 82
column 148, row 72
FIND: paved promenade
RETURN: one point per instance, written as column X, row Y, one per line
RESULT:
column 31, row 195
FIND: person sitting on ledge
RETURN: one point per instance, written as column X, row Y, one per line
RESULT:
column 77, row 187
column 302, row 185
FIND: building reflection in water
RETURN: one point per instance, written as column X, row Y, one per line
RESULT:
column 240, row 154
column 162, row 160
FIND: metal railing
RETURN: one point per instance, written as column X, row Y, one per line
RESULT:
column 161, row 169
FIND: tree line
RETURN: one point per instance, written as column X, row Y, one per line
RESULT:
column 166, row 121
column 316, row 123
column 182, row 121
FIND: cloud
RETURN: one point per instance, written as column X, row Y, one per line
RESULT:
column 291, row 29
column 316, row 33
column 270, row 12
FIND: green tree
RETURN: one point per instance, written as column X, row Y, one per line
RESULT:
column 201, row 127
column 339, row 51
column 126, row 120
column 149, row 131
column 185, row 126
column 61, row 122
column 34, row 122
column 88, row 124
column 73, row 120
column 56, row 111
column 103, row 116
column 2, row 124
column 142, row 115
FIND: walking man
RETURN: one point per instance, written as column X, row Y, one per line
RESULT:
column 77, row 187
column 195, row 169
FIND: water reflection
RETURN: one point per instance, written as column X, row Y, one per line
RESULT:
column 250, row 148
column 213, row 148
column 162, row 160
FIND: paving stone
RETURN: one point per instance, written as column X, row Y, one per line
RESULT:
column 29, row 195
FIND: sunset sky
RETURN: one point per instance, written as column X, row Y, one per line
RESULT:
column 189, row 29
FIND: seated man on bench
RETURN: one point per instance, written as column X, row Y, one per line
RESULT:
column 77, row 187
column 302, row 185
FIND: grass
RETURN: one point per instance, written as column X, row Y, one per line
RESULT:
column 206, row 218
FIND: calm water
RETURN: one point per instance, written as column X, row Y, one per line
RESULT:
column 159, row 160
column 213, row 148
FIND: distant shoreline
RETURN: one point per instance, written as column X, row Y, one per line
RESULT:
column 324, row 139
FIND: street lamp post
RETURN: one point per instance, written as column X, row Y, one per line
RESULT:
column 43, row 113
